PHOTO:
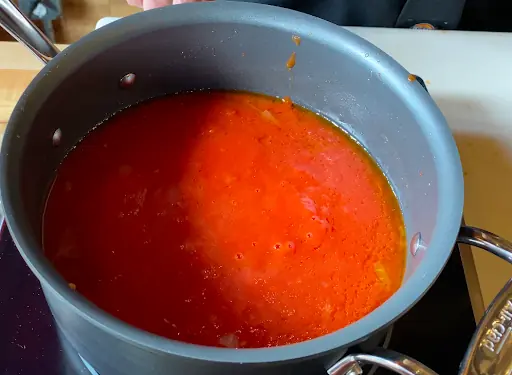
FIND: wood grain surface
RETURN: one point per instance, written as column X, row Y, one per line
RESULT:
column 12, row 85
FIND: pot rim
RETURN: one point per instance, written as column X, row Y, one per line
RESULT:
column 447, row 165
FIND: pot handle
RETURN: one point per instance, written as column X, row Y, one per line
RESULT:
column 490, row 349
column 24, row 31
column 388, row 359
column 487, row 241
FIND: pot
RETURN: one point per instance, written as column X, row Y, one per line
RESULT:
column 240, row 46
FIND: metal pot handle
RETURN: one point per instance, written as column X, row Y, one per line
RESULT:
column 24, row 31
column 487, row 241
column 490, row 349
column 388, row 359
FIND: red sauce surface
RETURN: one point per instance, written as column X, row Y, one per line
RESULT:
column 225, row 219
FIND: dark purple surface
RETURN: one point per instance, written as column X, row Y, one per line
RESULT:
column 436, row 331
column 28, row 338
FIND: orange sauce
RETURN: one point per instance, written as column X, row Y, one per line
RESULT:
column 225, row 219
column 296, row 39
column 290, row 63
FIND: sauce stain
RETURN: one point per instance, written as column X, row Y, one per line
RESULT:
column 296, row 39
column 291, row 61
column 411, row 78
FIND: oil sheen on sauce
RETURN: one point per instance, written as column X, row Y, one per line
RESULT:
column 225, row 219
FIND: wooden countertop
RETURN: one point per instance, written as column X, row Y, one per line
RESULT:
column 17, row 68
column 13, row 82
column 467, row 76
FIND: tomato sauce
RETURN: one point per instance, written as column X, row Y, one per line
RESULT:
column 225, row 219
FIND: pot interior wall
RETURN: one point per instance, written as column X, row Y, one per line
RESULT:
column 346, row 82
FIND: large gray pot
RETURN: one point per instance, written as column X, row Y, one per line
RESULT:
column 245, row 47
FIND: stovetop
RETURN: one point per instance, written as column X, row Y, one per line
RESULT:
column 436, row 331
